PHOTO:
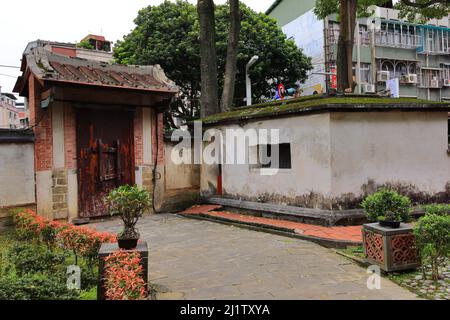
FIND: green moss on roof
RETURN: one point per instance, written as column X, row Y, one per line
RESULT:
column 316, row 103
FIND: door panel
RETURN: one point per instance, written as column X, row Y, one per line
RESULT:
column 105, row 148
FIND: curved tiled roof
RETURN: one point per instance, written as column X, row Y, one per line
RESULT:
column 51, row 67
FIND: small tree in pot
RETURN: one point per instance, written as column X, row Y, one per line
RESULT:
column 388, row 208
column 130, row 203
column 389, row 243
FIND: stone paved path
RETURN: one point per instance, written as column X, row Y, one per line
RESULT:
column 194, row 259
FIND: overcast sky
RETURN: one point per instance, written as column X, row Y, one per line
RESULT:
column 23, row 21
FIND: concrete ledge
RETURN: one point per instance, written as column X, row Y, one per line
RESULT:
column 320, row 217
column 328, row 243
column 292, row 213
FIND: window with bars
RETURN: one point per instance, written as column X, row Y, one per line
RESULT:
column 436, row 41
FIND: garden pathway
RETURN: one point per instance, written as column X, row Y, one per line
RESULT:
column 195, row 259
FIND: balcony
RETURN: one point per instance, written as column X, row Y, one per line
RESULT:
column 430, row 82
column 333, row 37
column 397, row 40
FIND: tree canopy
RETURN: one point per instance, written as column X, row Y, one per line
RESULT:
column 413, row 10
column 168, row 34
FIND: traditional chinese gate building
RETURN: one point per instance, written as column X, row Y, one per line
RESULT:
column 96, row 126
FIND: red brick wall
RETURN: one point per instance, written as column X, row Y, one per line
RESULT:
column 65, row 51
column 138, row 143
column 70, row 138
column 158, row 121
column 41, row 119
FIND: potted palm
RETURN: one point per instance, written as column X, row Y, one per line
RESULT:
column 130, row 202
column 389, row 242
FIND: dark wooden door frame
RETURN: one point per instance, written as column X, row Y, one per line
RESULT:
column 103, row 162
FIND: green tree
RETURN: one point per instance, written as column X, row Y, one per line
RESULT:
column 85, row 44
column 209, row 98
column 413, row 10
column 231, row 64
column 168, row 34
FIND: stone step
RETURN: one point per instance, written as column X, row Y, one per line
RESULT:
column 292, row 213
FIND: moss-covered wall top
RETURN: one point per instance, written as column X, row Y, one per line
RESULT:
column 322, row 103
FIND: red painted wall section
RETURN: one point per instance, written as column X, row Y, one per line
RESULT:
column 65, row 51
column 70, row 138
column 138, row 134
column 41, row 119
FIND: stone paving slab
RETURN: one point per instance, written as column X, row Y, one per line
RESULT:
column 197, row 260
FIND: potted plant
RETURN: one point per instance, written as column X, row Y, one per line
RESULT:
column 388, row 208
column 130, row 202
column 389, row 242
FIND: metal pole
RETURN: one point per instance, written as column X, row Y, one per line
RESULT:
column 248, row 81
column 358, row 64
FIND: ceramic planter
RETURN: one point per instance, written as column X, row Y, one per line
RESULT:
column 127, row 244
column 392, row 249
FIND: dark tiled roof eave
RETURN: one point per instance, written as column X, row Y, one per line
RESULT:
column 95, row 84
column 56, row 68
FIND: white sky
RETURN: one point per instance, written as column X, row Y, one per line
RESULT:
column 23, row 21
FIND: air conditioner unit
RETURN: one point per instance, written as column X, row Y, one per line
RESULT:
column 409, row 78
column 368, row 88
column 383, row 76
column 434, row 83
column 447, row 82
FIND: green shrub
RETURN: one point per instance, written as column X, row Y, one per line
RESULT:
column 387, row 205
column 85, row 44
column 439, row 209
column 89, row 278
column 432, row 234
column 35, row 287
column 28, row 258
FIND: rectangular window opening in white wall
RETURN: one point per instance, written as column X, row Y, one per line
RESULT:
column 267, row 151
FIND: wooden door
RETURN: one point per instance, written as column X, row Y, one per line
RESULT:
column 105, row 148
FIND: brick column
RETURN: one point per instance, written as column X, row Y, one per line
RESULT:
column 41, row 120
column 70, row 155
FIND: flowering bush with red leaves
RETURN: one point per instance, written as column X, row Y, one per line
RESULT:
column 28, row 224
column 123, row 276
column 82, row 241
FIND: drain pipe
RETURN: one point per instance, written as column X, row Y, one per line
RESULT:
column 155, row 165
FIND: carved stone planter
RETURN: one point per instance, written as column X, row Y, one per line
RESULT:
column 390, row 249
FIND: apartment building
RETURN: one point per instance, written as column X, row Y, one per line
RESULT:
column 9, row 113
column 386, row 47
column 101, row 48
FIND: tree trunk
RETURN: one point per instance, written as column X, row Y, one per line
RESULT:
column 209, row 99
column 232, row 52
column 344, row 59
